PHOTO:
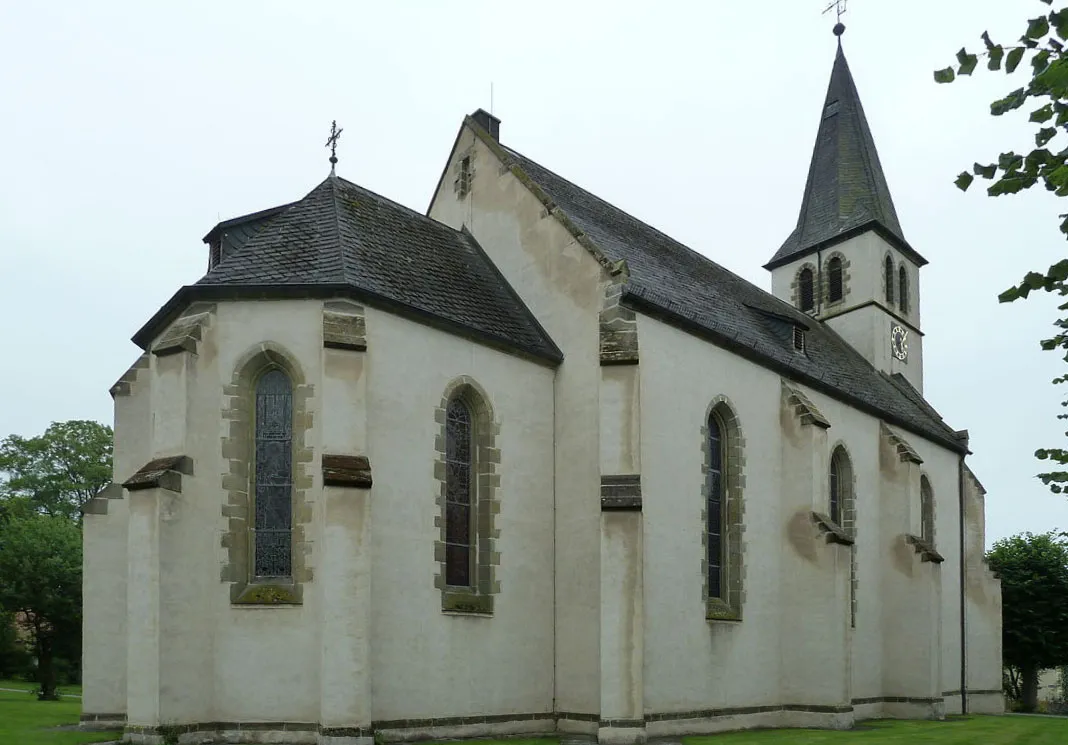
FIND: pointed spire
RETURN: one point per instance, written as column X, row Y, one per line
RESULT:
column 846, row 189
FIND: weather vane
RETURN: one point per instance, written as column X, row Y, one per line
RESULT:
column 331, row 142
column 839, row 6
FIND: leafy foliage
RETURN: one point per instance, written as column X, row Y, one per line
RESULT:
column 1034, row 588
column 57, row 472
column 41, row 583
column 1043, row 45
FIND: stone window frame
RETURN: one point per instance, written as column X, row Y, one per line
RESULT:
column 465, row 173
column 479, row 598
column 796, row 287
column 848, row 513
column 237, row 449
column 733, row 466
column 888, row 280
column 927, row 510
column 825, row 278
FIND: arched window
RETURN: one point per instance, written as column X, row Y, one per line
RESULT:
column 888, row 279
column 903, row 289
column 715, row 493
column 460, row 498
column 843, row 509
column 836, row 485
column 835, row 291
column 723, row 514
column 273, row 476
column 806, row 289
column 466, row 550
column 927, row 515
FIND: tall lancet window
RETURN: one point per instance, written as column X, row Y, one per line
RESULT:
column 837, row 485
column 888, row 279
column 459, row 488
column 806, row 289
column 927, row 513
column 273, row 554
column 835, row 290
column 716, row 497
column 903, row 289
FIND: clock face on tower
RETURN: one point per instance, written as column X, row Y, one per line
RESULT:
column 899, row 342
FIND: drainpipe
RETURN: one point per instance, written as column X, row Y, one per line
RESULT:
column 963, row 627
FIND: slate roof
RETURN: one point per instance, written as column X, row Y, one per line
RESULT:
column 846, row 191
column 671, row 281
column 342, row 239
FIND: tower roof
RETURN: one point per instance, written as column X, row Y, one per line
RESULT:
column 846, row 192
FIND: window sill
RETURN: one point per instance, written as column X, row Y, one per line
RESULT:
column 834, row 532
column 925, row 549
column 466, row 602
column 269, row 593
column 717, row 610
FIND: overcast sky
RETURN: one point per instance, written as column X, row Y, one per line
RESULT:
column 127, row 130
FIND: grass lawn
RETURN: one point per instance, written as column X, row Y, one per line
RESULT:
column 26, row 721
column 1009, row 730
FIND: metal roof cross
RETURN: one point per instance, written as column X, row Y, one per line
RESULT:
column 331, row 142
column 839, row 6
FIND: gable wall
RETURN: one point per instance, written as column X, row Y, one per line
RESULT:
column 559, row 281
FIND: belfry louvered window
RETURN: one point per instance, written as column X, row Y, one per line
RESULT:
column 459, row 492
column 835, row 289
column 903, row 290
column 806, row 289
column 273, row 476
column 888, row 271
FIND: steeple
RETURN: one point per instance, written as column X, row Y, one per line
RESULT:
column 846, row 192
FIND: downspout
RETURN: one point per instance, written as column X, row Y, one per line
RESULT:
column 963, row 627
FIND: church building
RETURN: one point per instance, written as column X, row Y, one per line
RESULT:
column 526, row 465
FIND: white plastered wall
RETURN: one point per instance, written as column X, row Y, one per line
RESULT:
column 559, row 280
column 427, row 663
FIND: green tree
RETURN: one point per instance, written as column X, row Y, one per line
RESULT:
column 1045, row 94
column 1034, row 587
column 57, row 472
column 41, row 583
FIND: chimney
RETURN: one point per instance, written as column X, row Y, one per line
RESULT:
column 488, row 122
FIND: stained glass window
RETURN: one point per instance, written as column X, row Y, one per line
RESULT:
column 889, row 279
column 459, row 515
column 836, row 488
column 714, row 508
column 927, row 517
column 273, row 476
column 835, row 289
column 806, row 289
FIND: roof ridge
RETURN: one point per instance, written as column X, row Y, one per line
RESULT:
column 425, row 218
column 697, row 254
column 605, row 202
column 337, row 224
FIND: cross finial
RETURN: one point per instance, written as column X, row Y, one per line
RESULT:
column 331, row 142
column 839, row 7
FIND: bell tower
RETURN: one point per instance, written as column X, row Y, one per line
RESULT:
column 847, row 263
